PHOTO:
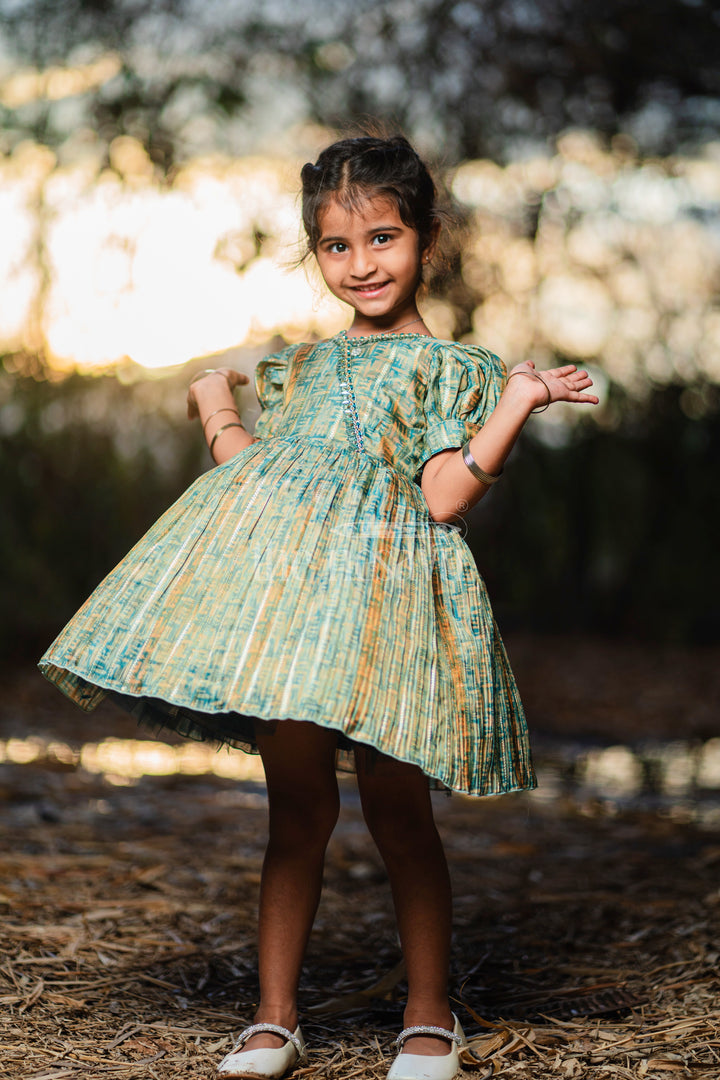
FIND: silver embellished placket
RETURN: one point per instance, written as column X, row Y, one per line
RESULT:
column 347, row 394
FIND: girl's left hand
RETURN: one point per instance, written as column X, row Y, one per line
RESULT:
column 564, row 383
column 199, row 386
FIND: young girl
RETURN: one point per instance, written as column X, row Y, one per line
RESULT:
column 309, row 599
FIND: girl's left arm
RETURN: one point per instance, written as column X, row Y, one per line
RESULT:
column 210, row 397
column 450, row 489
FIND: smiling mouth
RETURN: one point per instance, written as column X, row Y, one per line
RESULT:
column 374, row 287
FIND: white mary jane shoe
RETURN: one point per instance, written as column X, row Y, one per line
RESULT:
column 267, row 1064
column 424, row 1066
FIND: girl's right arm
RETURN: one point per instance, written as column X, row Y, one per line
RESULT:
column 211, row 398
column 448, row 484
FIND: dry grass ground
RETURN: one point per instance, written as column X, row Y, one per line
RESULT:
column 586, row 943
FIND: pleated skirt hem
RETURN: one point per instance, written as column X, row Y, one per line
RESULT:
column 236, row 730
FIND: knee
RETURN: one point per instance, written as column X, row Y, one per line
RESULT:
column 398, row 832
column 303, row 819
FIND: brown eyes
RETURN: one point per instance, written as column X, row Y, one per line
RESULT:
column 337, row 247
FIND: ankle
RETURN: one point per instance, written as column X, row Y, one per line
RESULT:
column 436, row 1014
column 275, row 1013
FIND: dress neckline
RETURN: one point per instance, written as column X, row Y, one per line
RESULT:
column 381, row 334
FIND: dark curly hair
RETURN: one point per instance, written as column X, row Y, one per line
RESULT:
column 353, row 169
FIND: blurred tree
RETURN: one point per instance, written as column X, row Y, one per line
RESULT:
column 461, row 77
column 613, row 532
column 86, row 466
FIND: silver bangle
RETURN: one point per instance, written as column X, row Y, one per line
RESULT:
column 535, row 375
column 210, row 371
column 219, row 432
column 478, row 473
column 227, row 409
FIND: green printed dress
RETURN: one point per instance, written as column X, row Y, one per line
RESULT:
column 305, row 579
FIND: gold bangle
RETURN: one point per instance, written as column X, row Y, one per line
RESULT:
column 535, row 375
column 227, row 409
column 219, row 432
column 478, row 473
column 210, row 371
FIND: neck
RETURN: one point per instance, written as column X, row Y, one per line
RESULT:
column 362, row 327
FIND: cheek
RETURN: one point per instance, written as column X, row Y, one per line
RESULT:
column 330, row 273
column 410, row 265
column 325, row 267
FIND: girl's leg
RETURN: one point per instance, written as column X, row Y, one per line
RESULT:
column 299, row 761
column 397, row 808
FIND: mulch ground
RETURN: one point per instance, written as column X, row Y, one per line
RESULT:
column 586, row 935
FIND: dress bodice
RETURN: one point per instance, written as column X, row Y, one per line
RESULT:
column 399, row 398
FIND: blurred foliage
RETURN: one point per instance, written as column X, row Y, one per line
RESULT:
column 84, row 471
column 616, row 531
column 613, row 531
column 464, row 77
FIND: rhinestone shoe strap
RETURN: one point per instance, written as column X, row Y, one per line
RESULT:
column 273, row 1029
column 427, row 1029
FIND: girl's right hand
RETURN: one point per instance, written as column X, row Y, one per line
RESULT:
column 563, row 383
column 199, row 388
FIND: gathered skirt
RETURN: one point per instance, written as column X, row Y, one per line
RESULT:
column 302, row 580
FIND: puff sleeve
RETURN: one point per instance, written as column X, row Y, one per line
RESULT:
column 464, row 386
column 270, row 379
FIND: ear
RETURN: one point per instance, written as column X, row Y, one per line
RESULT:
column 427, row 254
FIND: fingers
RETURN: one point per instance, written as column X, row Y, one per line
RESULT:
column 566, row 383
column 237, row 378
column 576, row 379
column 564, row 371
column 192, row 408
column 575, row 396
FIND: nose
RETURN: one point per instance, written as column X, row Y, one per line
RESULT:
column 362, row 263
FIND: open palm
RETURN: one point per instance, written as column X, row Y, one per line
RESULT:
column 563, row 383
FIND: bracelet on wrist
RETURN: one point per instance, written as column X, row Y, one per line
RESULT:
column 535, row 375
column 211, row 371
column 227, row 409
column 219, row 432
column 478, row 473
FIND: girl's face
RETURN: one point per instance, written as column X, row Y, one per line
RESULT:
column 370, row 259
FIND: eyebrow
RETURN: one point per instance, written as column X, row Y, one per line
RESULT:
column 370, row 232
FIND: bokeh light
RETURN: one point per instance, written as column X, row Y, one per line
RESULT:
column 588, row 254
